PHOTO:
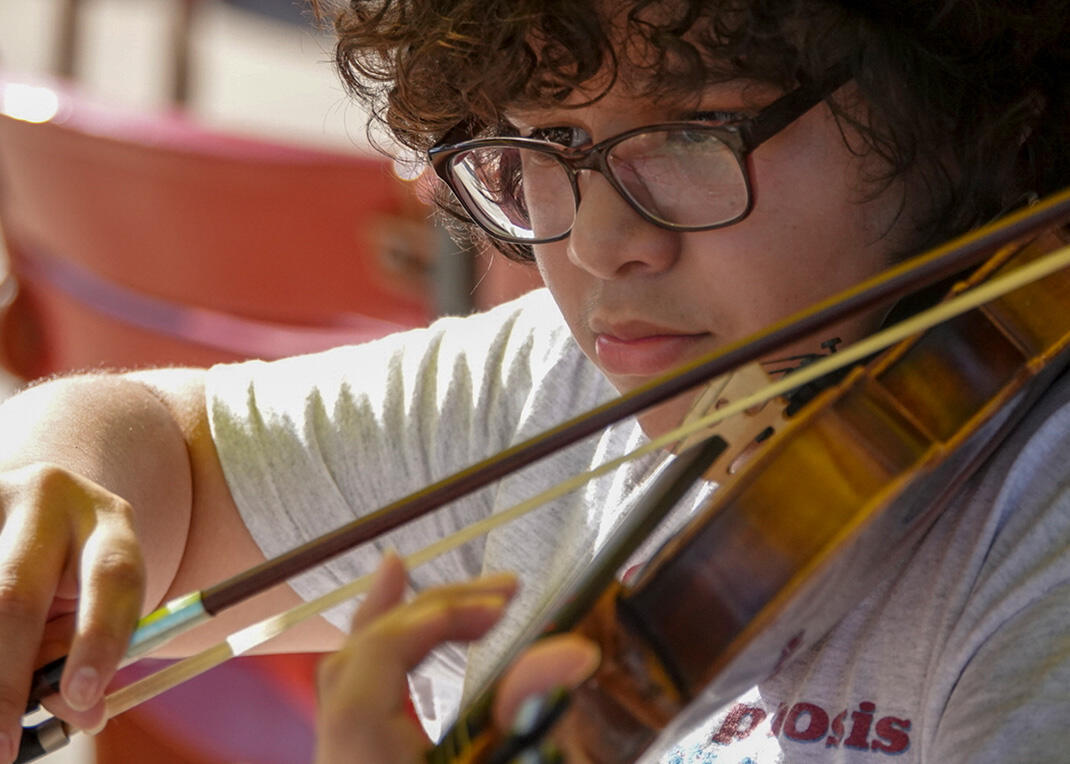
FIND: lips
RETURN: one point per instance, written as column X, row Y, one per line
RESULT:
column 640, row 349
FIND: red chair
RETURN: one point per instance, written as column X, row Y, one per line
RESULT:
column 138, row 239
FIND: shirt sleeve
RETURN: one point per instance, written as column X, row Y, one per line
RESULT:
column 309, row 443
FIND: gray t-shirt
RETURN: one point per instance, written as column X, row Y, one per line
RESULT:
column 962, row 656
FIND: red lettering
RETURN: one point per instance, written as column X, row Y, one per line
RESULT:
column 778, row 719
column 787, row 651
column 861, row 720
column 892, row 732
column 817, row 722
column 739, row 723
column 833, row 740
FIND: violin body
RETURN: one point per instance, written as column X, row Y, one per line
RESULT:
column 836, row 498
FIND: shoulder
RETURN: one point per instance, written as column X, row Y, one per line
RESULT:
column 511, row 339
column 530, row 329
column 1004, row 667
column 1028, row 478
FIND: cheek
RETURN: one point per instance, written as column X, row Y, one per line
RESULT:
column 817, row 172
column 554, row 268
column 566, row 283
column 817, row 214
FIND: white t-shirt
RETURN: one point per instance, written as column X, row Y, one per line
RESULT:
column 962, row 656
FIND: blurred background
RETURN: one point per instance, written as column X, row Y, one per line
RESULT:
column 264, row 71
column 185, row 181
column 253, row 65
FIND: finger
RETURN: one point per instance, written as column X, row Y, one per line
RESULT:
column 390, row 579
column 427, row 622
column 565, row 660
column 363, row 687
column 91, row 720
column 367, row 676
column 503, row 584
column 112, row 589
column 28, row 574
column 56, row 637
column 55, row 643
column 386, row 591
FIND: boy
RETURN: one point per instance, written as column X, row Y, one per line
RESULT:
column 868, row 132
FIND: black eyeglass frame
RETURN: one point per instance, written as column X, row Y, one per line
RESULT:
column 741, row 138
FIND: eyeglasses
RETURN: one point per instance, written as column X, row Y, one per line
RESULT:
column 683, row 176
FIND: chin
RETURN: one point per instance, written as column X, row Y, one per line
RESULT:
column 666, row 416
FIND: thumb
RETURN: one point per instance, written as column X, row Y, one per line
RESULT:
column 564, row 660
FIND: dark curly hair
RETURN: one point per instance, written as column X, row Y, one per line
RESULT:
column 971, row 96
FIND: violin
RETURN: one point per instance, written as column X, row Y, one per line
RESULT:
column 881, row 451
column 832, row 501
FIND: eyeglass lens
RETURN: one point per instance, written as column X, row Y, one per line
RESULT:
column 683, row 177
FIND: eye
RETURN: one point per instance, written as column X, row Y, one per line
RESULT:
column 570, row 137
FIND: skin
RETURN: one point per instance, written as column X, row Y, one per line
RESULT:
column 363, row 688
column 112, row 501
column 640, row 299
column 112, row 496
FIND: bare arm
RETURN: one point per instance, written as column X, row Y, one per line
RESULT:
column 112, row 500
column 218, row 544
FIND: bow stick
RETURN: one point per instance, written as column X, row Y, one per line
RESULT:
column 183, row 613
column 52, row 734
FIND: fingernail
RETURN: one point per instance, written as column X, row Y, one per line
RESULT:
column 494, row 603
column 97, row 728
column 584, row 662
column 82, row 691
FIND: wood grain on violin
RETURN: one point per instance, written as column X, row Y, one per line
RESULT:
column 834, row 499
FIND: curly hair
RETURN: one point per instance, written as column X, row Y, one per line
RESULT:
column 970, row 96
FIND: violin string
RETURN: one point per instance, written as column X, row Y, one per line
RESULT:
column 252, row 636
column 944, row 311
column 245, row 639
column 948, row 259
column 907, row 276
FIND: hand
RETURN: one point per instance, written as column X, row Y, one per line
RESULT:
column 363, row 688
column 68, row 555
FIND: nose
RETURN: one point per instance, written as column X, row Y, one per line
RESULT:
column 611, row 240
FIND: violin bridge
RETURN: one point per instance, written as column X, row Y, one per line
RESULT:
column 744, row 432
